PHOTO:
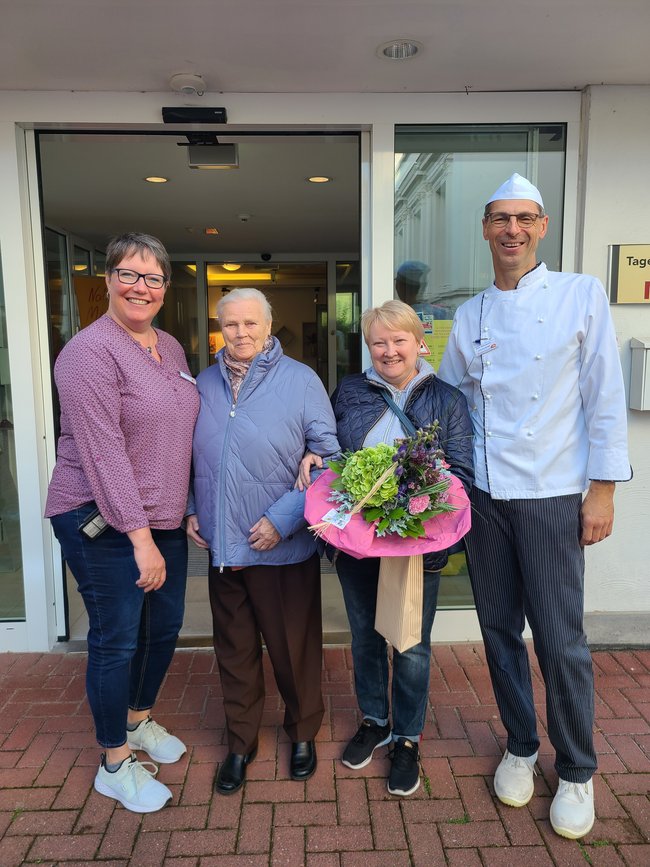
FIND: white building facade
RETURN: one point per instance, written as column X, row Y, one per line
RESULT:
column 600, row 196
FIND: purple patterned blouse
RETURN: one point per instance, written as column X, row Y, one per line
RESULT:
column 126, row 428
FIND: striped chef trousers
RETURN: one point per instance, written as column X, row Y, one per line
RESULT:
column 525, row 561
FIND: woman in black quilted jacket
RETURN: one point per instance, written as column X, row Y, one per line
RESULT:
column 393, row 333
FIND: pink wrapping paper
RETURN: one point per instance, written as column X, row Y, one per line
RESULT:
column 358, row 538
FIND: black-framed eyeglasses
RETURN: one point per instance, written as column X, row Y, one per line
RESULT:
column 524, row 221
column 130, row 278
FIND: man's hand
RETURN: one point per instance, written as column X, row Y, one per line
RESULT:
column 597, row 512
column 263, row 535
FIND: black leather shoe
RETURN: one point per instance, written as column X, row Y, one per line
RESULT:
column 232, row 773
column 303, row 760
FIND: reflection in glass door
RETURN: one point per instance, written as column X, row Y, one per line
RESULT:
column 443, row 177
column 12, row 596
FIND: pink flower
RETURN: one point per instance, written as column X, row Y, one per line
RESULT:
column 419, row 504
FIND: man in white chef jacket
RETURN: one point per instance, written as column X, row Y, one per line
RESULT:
column 535, row 355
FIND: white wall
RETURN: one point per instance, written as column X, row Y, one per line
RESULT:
column 616, row 190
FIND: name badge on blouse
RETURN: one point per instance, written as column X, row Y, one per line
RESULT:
column 187, row 377
column 486, row 347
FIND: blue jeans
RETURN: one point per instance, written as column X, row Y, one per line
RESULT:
column 410, row 686
column 132, row 634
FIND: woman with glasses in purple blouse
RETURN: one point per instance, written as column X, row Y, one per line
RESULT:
column 117, row 500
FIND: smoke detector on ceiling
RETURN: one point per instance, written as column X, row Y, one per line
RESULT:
column 188, row 83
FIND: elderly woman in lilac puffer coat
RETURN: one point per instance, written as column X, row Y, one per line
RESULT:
column 259, row 412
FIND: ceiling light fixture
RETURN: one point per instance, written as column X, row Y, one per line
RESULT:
column 318, row 179
column 211, row 230
column 231, row 266
column 399, row 49
column 156, row 179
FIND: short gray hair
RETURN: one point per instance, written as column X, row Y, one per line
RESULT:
column 246, row 294
column 131, row 243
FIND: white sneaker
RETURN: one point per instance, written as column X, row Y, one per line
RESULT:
column 156, row 741
column 513, row 780
column 572, row 810
column 133, row 785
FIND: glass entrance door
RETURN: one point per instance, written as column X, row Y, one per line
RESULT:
column 12, row 595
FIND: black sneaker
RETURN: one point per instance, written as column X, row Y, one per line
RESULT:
column 358, row 752
column 404, row 776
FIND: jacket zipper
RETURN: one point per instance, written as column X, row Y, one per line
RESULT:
column 224, row 452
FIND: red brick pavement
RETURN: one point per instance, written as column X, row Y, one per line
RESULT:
column 51, row 816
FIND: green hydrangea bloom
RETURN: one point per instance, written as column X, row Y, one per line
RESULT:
column 363, row 469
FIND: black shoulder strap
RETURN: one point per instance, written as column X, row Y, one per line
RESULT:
column 406, row 422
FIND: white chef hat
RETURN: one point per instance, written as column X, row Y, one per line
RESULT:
column 517, row 187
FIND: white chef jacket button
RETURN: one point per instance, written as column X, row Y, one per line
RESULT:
column 489, row 433
column 541, row 319
column 487, row 362
column 535, row 397
column 485, row 328
column 537, row 357
column 232, row 414
column 488, row 397
column 474, row 408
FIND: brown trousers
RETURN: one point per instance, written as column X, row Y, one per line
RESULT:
column 283, row 603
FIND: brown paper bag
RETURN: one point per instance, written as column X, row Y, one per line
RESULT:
column 398, row 616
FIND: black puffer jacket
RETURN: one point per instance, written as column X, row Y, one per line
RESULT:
column 358, row 405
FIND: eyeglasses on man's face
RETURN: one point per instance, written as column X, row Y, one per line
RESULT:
column 500, row 220
column 130, row 278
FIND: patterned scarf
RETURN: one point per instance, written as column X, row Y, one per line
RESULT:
column 237, row 370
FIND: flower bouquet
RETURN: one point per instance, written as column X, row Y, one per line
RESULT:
column 396, row 502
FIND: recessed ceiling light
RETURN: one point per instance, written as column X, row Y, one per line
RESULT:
column 319, row 179
column 231, row 266
column 211, row 230
column 156, row 179
column 399, row 49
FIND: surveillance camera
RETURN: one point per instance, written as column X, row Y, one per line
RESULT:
column 266, row 257
column 243, row 218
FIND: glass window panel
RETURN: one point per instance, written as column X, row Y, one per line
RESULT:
column 62, row 326
column 443, row 177
column 179, row 313
column 12, row 596
column 99, row 260
column 81, row 261
column 348, row 317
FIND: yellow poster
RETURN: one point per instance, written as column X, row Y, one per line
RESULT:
column 436, row 334
column 630, row 274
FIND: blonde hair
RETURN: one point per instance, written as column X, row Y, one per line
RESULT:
column 395, row 315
